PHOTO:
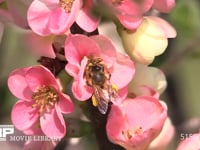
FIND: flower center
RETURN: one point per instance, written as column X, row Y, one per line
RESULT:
column 128, row 134
column 45, row 98
column 66, row 5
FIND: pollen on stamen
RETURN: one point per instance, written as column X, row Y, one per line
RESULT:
column 138, row 130
column 44, row 98
column 66, row 5
column 127, row 134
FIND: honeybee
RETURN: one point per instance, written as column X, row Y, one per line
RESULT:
column 98, row 77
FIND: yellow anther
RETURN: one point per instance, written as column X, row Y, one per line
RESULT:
column 114, row 87
column 138, row 130
column 94, row 101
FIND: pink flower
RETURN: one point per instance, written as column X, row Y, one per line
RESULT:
column 40, row 100
column 136, row 122
column 190, row 143
column 57, row 16
column 129, row 12
column 81, row 51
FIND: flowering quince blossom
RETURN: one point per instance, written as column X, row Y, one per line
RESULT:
column 130, row 12
column 41, row 101
column 154, row 32
column 190, row 143
column 80, row 49
column 136, row 122
column 57, row 16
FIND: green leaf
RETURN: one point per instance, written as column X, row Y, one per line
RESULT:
column 185, row 17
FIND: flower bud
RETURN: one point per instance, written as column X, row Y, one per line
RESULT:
column 149, row 40
column 149, row 76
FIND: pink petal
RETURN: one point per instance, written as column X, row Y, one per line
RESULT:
column 130, row 13
column 72, row 70
column 168, row 29
column 60, row 21
column 23, row 116
column 114, row 124
column 38, row 16
column 130, row 8
column 130, row 22
column 142, row 106
column 65, row 104
column 79, row 87
column 163, row 140
column 164, row 6
column 81, row 92
column 85, row 19
column 76, row 47
column 108, row 51
column 18, row 85
column 145, row 90
column 53, row 124
column 44, row 48
column 123, row 71
column 38, row 76
column 34, row 129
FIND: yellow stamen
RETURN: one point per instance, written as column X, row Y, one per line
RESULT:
column 138, row 130
column 66, row 5
column 45, row 98
column 94, row 101
column 127, row 134
column 114, row 87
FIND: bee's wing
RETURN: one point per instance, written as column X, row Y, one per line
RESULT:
column 102, row 97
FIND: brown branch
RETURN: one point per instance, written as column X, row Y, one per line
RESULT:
column 99, row 123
